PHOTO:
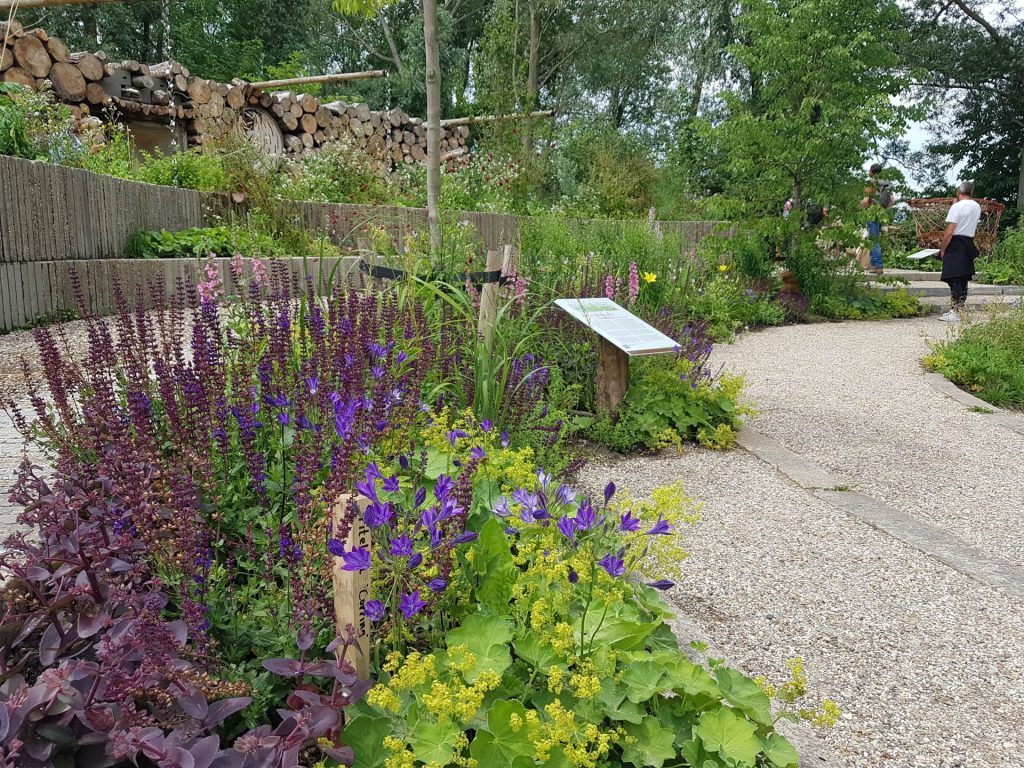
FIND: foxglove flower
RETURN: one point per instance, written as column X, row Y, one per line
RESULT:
column 411, row 604
column 443, row 487
column 565, row 494
column 613, row 565
column 585, row 517
column 356, row 560
column 401, row 546
column 661, row 584
column 455, row 434
column 336, row 547
column 378, row 514
column 501, row 508
column 374, row 610
column 368, row 489
column 628, row 523
column 660, row 528
column 609, row 491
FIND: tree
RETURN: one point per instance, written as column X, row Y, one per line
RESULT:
column 975, row 80
column 813, row 93
column 433, row 83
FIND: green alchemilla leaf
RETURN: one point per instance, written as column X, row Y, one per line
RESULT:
column 743, row 693
column 487, row 638
column 731, row 736
column 617, row 632
column 432, row 742
column 780, row 752
column 642, row 680
column 616, row 705
column 693, row 680
column 506, row 743
column 531, row 650
column 650, row 745
column 366, row 737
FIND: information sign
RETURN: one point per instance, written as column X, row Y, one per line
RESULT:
column 619, row 326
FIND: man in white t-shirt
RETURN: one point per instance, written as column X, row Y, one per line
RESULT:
column 957, row 250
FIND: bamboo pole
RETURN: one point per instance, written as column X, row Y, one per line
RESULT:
column 340, row 77
column 6, row 5
column 454, row 121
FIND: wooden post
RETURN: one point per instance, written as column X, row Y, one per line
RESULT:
column 340, row 77
column 489, row 301
column 352, row 588
column 612, row 377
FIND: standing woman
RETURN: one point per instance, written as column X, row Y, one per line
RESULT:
column 958, row 251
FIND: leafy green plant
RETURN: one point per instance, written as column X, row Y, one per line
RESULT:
column 561, row 660
column 666, row 404
column 1006, row 264
column 193, row 169
column 986, row 360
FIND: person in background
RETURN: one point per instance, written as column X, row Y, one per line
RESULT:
column 787, row 209
column 957, row 251
column 878, row 193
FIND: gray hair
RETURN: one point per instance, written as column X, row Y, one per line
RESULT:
column 966, row 188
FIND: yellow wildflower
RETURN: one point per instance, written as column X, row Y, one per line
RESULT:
column 723, row 267
column 650, row 277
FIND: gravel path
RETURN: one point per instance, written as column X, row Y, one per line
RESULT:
column 852, row 398
column 924, row 663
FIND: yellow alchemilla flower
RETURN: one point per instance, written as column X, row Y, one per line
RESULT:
column 383, row 697
column 650, row 277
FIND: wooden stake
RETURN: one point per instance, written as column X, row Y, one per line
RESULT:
column 352, row 588
column 341, row 77
column 612, row 377
column 489, row 300
column 452, row 122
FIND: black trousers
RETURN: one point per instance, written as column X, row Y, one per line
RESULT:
column 958, row 290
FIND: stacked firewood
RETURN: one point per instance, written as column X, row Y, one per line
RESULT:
column 163, row 92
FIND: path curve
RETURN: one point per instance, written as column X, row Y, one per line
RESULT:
column 924, row 659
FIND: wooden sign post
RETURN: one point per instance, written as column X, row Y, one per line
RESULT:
column 489, row 298
column 352, row 588
column 622, row 335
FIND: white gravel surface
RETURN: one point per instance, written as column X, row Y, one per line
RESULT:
column 853, row 398
column 924, row 662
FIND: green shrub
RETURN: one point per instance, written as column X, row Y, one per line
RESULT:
column 35, row 126
column 666, row 405
column 220, row 241
column 339, row 173
column 1006, row 264
column 194, row 169
column 987, row 360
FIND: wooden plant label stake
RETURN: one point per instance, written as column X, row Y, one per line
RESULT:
column 352, row 588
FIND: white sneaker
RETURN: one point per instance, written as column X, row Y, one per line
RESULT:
column 950, row 317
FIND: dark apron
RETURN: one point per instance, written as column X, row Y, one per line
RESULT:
column 959, row 258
